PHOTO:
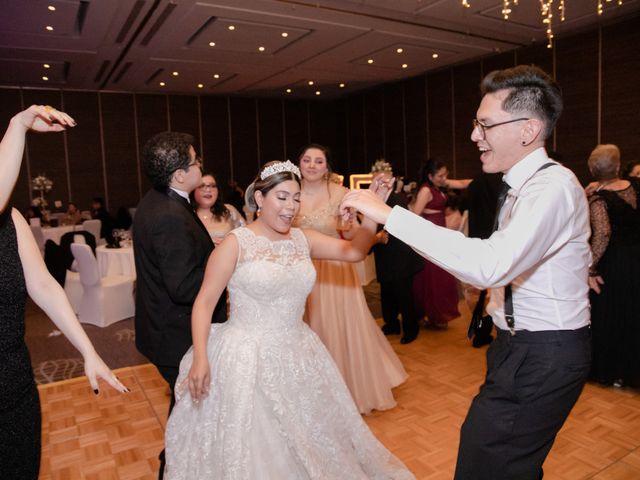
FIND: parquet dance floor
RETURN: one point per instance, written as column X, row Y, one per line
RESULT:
column 114, row 436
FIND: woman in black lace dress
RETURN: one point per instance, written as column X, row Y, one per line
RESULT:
column 615, row 271
column 23, row 271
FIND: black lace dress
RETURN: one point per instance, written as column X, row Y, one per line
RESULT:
column 615, row 243
column 19, row 402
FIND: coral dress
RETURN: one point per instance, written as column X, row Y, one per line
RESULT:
column 338, row 312
column 277, row 407
column 435, row 290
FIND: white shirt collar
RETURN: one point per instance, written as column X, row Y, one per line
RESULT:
column 182, row 193
column 518, row 175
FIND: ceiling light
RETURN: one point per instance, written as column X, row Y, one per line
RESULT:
column 200, row 85
column 261, row 49
column 370, row 61
column 49, row 27
column 215, row 75
column 404, row 65
column 399, row 50
column 342, row 85
column 46, row 65
column 317, row 92
column 435, row 55
column 310, row 82
column 284, row 34
column 289, row 90
column 162, row 84
column 51, row 8
column 175, row 74
column 45, row 78
column 212, row 44
column 232, row 27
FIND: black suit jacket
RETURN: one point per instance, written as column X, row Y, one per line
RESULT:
column 171, row 248
column 396, row 259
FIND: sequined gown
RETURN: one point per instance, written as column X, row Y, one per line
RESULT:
column 337, row 311
column 277, row 407
column 19, row 402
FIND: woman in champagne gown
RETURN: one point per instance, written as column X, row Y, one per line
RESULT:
column 337, row 309
column 259, row 397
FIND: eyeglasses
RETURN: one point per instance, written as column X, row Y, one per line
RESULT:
column 197, row 161
column 208, row 186
column 483, row 128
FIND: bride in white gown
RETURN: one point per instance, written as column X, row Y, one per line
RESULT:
column 259, row 397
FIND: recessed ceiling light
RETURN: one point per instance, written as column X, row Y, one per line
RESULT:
column 370, row 61
column 317, row 92
column 45, row 78
column 261, row 49
column 284, row 34
column 399, row 50
column 232, row 27
column 175, row 74
column 162, row 84
column 310, row 82
column 435, row 55
column 342, row 85
column 51, row 8
column 215, row 75
column 200, row 85
column 46, row 65
column 404, row 65
column 212, row 44
column 289, row 90
column 49, row 27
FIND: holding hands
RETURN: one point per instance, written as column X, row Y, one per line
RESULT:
column 371, row 202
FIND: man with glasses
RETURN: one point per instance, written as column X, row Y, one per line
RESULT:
column 536, row 265
column 171, row 249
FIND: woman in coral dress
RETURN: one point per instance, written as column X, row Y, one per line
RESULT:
column 336, row 308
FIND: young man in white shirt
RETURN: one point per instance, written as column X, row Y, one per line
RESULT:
column 538, row 364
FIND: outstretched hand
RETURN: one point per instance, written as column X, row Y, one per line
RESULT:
column 43, row 118
column 382, row 185
column 95, row 368
column 368, row 203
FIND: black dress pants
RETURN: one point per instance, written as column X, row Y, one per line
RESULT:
column 396, row 297
column 533, row 381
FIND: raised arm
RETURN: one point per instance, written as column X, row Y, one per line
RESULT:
column 47, row 293
column 458, row 184
column 38, row 118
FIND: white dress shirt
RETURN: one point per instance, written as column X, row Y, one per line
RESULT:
column 541, row 248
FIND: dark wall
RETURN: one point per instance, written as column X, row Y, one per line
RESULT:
column 405, row 122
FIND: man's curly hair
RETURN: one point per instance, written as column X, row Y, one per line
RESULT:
column 163, row 154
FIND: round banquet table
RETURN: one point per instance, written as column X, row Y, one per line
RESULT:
column 115, row 261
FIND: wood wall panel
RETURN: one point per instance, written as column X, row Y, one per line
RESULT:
column 47, row 152
column 244, row 139
column 215, row 138
column 538, row 55
column 355, row 124
column 577, row 129
column 10, row 104
column 151, row 118
column 271, row 131
column 183, row 117
column 498, row 62
column 440, row 116
column 394, row 116
column 326, row 127
column 375, row 121
column 415, row 106
column 466, row 87
column 118, row 126
column 620, row 91
column 84, row 148
column 296, row 127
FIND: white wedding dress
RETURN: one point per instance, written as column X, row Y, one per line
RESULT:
column 277, row 407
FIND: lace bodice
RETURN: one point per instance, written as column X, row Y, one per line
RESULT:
column 271, row 282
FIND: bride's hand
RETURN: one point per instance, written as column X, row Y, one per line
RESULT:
column 199, row 378
column 382, row 185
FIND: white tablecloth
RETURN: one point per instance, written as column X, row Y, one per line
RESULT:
column 115, row 261
column 366, row 269
column 55, row 233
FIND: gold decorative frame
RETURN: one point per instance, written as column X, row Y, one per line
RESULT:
column 360, row 180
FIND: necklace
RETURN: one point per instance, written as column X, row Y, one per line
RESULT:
column 204, row 217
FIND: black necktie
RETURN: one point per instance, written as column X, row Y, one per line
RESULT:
column 502, row 196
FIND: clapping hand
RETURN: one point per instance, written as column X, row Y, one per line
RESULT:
column 43, row 118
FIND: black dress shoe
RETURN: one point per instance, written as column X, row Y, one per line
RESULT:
column 389, row 329
column 408, row 338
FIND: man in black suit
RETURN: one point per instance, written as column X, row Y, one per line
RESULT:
column 396, row 264
column 171, row 248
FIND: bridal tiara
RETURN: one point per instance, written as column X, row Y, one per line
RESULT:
column 280, row 167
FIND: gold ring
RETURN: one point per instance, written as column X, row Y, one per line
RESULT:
column 48, row 108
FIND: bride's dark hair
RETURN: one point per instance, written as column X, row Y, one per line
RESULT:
column 264, row 186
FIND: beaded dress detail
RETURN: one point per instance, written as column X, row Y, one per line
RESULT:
column 277, row 406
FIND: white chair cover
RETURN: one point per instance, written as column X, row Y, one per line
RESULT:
column 93, row 227
column 104, row 300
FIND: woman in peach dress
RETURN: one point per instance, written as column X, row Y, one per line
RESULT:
column 336, row 308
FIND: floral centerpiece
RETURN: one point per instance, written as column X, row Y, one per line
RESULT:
column 381, row 165
column 42, row 185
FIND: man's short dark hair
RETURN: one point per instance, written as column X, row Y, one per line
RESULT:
column 163, row 154
column 531, row 92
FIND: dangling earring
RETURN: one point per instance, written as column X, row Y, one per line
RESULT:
column 258, row 211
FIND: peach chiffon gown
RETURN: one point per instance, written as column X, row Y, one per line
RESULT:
column 337, row 311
